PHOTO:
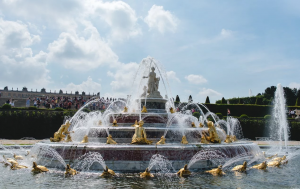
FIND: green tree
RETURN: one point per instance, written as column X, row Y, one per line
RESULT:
column 258, row 100
column 223, row 101
column 207, row 100
column 177, row 99
column 297, row 102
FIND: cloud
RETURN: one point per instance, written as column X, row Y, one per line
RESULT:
column 81, row 52
column 196, row 79
column 123, row 77
column 87, row 86
column 209, row 92
column 161, row 20
column 118, row 15
column 17, row 60
column 172, row 76
column 294, row 85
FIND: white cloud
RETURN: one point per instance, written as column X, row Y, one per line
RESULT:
column 209, row 92
column 123, row 77
column 87, row 86
column 161, row 20
column 118, row 15
column 17, row 61
column 294, row 85
column 172, row 76
column 196, row 79
column 81, row 52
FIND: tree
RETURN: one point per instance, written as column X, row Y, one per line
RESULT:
column 297, row 102
column 177, row 99
column 207, row 100
column 223, row 101
column 258, row 101
column 190, row 99
column 241, row 101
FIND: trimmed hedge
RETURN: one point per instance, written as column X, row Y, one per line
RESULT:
column 244, row 116
column 196, row 114
column 6, row 106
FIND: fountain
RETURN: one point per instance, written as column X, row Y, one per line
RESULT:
column 129, row 133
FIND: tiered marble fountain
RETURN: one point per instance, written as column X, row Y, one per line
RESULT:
column 129, row 133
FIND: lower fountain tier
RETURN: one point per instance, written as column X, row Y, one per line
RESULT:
column 135, row 158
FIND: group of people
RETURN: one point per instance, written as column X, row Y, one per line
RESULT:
column 292, row 113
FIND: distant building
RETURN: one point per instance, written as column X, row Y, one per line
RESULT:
column 25, row 93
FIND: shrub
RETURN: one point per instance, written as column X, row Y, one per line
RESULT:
column 244, row 116
column 6, row 106
column 196, row 114
column 59, row 109
column 32, row 108
column 223, row 101
column 207, row 101
column 297, row 102
column 220, row 115
column 267, row 117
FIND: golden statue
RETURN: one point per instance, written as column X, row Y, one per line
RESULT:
column 70, row 171
column 17, row 166
column 146, row 174
column 184, row 172
column 274, row 163
column 162, row 140
column 272, row 156
column 110, row 140
column 172, row 111
column 38, row 168
column 125, row 109
column 279, row 158
column 60, row 134
column 240, row 168
column 233, row 138
column 201, row 125
column 107, row 172
column 203, row 139
column 193, row 125
column 213, row 136
column 184, row 140
column 10, row 160
column 115, row 123
column 227, row 140
column 217, row 171
column 262, row 166
column 69, row 138
column 140, row 136
column 85, row 139
column 99, row 122
column 135, row 124
column 144, row 110
column 18, row 157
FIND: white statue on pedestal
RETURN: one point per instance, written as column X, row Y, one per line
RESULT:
column 153, row 84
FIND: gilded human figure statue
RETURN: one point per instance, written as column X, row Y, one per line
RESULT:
column 140, row 136
column 61, row 133
column 213, row 136
column 153, row 85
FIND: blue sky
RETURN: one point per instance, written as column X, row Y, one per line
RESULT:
column 208, row 48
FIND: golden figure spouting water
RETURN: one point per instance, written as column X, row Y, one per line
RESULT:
column 107, row 173
column 184, row 140
column 17, row 166
column 85, row 139
column 135, row 124
column 279, row 158
column 203, row 139
column 18, row 157
column 201, row 125
column 261, row 166
column 274, row 163
column 172, row 111
column 233, row 138
column 193, row 125
column 240, row 168
column 140, row 136
column 162, row 140
column 146, row 174
column 125, row 109
column 110, row 140
column 60, row 134
column 10, row 160
column 184, row 172
column 216, row 172
column 99, row 122
column 70, row 171
column 144, row 110
column 38, row 168
column 227, row 140
column 270, row 157
column 115, row 123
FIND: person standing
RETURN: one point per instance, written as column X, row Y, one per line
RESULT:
column 228, row 113
column 28, row 102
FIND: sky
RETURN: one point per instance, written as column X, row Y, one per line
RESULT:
column 214, row 48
